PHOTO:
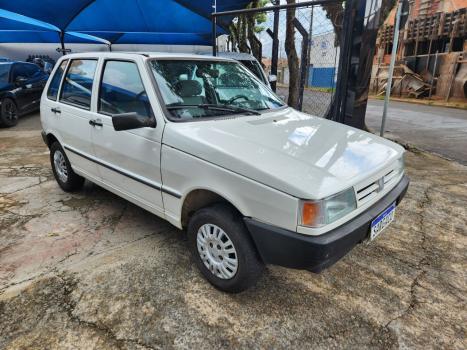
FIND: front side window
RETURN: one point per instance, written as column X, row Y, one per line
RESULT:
column 122, row 90
column 194, row 89
column 4, row 72
column 52, row 92
column 77, row 87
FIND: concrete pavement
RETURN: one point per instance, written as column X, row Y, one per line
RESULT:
column 91, row 271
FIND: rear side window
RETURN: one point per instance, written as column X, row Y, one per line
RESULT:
column 77, row 86
column 122, row 90
column 52, row 92
column 4, row 72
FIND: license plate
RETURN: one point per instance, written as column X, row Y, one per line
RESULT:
column 382, row 221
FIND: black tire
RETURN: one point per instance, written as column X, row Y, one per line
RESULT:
column 8, row 113
column 72, row 182
column 249, row 264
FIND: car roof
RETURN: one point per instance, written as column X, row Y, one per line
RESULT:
column 237, row 56
column 13, row 62
column 163, row 55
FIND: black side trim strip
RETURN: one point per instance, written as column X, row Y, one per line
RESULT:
column 147, row 183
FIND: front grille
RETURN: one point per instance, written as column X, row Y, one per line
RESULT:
column 390, row 176
column 366, row 192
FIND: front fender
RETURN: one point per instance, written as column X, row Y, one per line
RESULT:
column 183, row 173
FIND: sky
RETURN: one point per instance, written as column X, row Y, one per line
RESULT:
column 321, row 25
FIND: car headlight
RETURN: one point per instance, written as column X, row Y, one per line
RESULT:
column 325, row 211
column 401, row 164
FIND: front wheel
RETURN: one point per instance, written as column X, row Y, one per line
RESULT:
column 223, row 250
column 66, row 178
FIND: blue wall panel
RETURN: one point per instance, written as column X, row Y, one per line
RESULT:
column 322, row 77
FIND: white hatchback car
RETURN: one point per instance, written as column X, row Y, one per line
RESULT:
column 202, row 143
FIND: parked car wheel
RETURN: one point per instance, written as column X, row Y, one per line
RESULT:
column 8, row 113
column 67, row 179
column 223, row 250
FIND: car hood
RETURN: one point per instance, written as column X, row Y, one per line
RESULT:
column 305, row 156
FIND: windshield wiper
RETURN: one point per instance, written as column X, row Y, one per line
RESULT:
column 219, row 107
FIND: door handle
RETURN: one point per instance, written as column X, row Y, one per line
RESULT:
column 95, row 122
column 56, row 110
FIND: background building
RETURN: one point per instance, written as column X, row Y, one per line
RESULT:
column 324, row 58
column 431, row 57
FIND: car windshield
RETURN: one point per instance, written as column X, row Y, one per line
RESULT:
column 4, row 72
column 193, row 89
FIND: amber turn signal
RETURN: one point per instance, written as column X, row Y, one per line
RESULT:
column 310, row 213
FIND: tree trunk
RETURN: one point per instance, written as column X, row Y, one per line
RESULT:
column 233, row 36
column 242, row 35
column 255, row 49
column 252, row 39
column 292, row 58
column 335, row 12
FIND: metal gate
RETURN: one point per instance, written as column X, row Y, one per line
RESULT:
column 306, row 66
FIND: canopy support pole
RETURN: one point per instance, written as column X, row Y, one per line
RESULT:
column 391, row 69
column 62, row 42
column 274, row 34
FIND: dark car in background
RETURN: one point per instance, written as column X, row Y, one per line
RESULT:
column 21, row 86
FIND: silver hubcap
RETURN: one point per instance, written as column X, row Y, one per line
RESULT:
column 217, row 251
column 60, row 166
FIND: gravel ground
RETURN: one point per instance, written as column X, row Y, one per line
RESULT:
column 90, row 270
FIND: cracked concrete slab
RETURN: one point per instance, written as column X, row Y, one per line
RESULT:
column 90, row 270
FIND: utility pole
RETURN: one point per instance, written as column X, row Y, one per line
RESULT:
column 391, row 67
column 214, row 29
column 310, row 41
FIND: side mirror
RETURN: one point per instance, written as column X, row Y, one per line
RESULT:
column 129, row 121
column 20, row 81
column 272, row 78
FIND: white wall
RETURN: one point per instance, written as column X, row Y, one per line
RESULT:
column 21, row 52
column 323, row 53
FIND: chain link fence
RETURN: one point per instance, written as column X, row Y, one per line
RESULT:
column 316, row 50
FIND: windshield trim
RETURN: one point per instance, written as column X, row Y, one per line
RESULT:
column 165, row 111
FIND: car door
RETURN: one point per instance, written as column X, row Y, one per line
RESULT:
column 20, row 79
column 73, row 114
column 35, row 84
column 129, row 160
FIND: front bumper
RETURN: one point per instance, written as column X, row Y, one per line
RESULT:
column 315, row 253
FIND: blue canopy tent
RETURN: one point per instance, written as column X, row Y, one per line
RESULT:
column 173, row 22
column 16, row 28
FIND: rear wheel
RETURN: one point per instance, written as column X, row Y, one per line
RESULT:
column 8, row 113
column 66, row 178
column 223, row 250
